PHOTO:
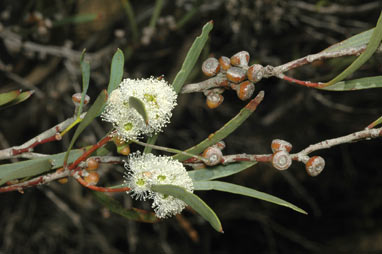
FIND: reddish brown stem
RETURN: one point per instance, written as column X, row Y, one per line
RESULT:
column 301, row 82
column 100, row 189
column 87, row 153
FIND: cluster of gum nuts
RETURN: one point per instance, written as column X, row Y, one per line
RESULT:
column 238, row 76
column 90, row 174
column 282, row 160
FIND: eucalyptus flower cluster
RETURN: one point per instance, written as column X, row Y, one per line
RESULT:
column 145, row 170
column 158, row 97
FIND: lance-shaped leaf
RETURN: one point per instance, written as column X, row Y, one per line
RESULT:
column 219, row 171
column 192, row 200
column 85, row 70
column 241, row 190
column 8, row 96
column 191, row 57
column 116, row 71
column 131, row 214
column 373, row 45
column 20, row 98
column 92, row 113
column 356, row 41
column 139, row 107
column 34, row 167
column 356, row 84
column 226, row 130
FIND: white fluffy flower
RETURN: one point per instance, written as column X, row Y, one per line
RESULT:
column 158, row 97
column 145, row 170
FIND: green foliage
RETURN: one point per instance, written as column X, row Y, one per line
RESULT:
column 241, row 190
column 116, row 71
column 375, row 41
column 139, row 107
column 13, row 97
column 85, row 70
column 131, row 214
column 219, row 171
column 356, row 84
column 192, row 200
column 92, row 113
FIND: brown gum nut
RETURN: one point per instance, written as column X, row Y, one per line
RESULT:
column 255, row 72
column 213, row 155
column 63, row 180
column 281, row 145
column 214, row 100
column 210, row 66
column 225, row 63
column 315, row 165
column 236, row 74
column 240, row 58
column 245, row 90
column 281, row 160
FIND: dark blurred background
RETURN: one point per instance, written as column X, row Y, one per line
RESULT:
column 40, row 45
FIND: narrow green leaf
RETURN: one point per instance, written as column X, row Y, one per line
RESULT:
column 226, row 130
column 20, row 98
column 356, row 84
column 8, row 96
column 156, row 13
column 139, row 107
column 23, row 169
column 34, row 167
column 77, row 19
column 192, row 57
column 116, row 71
column 192, row 200
column 219, row 171
column 92, row 113
column 132, row 21
column 189, row 62
column 373, row 45
column 131, row 214
column 355, row 41
column 85, row 70
column 241, row 190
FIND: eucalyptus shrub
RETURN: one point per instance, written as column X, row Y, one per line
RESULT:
column 140, row 109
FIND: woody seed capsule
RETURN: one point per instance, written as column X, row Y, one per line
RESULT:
column 245, row 90
column 255, row 72
column 210, row 67
column 214, row 100
column 225, row 63
column 240, row 59
column 236, row 74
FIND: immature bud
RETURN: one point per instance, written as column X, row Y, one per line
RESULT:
column 280, row 145
column 63, row 180
column 76, row 98
column 92, row 178
column 91, row 164
column 236, row 74
column 240, row 59
column 213, row 155
column 315, row 165
column 220, row 145
column 255, row 72
column 124, row 149
column 245, row 90
column 118, row 142
column 210, row 67
column 225, row 63
column 281, row 160
column 214, row 100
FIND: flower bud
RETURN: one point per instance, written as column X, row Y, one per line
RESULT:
column 210, row 67
column 76, row 98
column 91, row 164
column 92, row 178
column 281, row 160
column 315, row 165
